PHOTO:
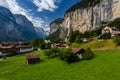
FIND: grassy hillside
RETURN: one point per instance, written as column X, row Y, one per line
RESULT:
column 104, row 66
column 98, row 45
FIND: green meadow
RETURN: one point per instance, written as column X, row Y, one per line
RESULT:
column 98, row 45
column 104, row 66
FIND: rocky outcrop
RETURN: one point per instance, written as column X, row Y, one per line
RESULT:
column 56, row 28
column 56, row 25
column 88, row 18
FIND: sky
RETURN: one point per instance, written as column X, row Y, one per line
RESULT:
column 40, row 12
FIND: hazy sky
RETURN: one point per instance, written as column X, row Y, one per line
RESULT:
column 40, row 12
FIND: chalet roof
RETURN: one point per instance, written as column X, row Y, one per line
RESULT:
column 117, row 33
column 23, row 46
column 75, row 50
column 64, row 45
column 6, row 47
column 61, row 44
column 32, row 56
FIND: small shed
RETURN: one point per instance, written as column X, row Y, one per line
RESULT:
column 32, row 58
column 79, row 52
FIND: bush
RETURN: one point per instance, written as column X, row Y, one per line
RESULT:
column 36, row 43
column 48, row 46
column 116, row 39
column 88, row 54
column 43, row 46
column 106, row 36
column 78, row 39
column 68, row 56
column 52, row 52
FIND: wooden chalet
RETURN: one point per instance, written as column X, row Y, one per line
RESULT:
column 61, row 45
column 79, row 52
column 15, row 48
column 32, row 58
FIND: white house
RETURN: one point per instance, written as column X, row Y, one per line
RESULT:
column 24, row 48
column 114, row 31
column 47, row 41
column 0, row 53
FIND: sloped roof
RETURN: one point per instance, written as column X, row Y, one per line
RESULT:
column 6, row 47
column 23, row 46
column 75, row 50
column 32, row 56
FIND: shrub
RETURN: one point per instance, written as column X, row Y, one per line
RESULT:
column 48, row 46
column 68, row 56
column 88, row 54
column 78, row 39
column 116, row 39
column 37, row 43
column 106, row 36
column 43, row 46
column 52, row 52
column 73, row 36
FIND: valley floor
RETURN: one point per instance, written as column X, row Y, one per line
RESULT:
column 104, row 66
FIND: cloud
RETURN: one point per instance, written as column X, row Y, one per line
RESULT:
column 46, row 4
column 15, row 8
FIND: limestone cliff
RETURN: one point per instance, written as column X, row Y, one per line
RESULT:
column 56, row 28
column 88, row 15
column 88, row 18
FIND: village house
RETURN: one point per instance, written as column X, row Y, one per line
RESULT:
column 61, row 45
column 15, row 48
column 114, row 31
column 32, row 58
column 79, row 52
column 24, row 48
column 47, row 41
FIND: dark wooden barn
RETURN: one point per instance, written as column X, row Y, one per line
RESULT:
column 32, row 58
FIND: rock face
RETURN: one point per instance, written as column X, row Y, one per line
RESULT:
column 89, row 18
column 56, row 28
column 56, row 25
column 25, row 27
column 15, row 27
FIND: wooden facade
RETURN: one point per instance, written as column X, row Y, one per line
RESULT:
column 79, row 52
column 15, row 48
column 32, row 58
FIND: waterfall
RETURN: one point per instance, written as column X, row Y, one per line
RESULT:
column 68, row 26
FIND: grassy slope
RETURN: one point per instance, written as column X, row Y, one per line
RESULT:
column 98, row 45
column 104, row 66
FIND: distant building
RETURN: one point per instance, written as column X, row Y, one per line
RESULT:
column 15, row 48
column 24, row 48
column 47, row 41
column 32, row 58
column 62, row 45
column 79, row 52
column 114, row 31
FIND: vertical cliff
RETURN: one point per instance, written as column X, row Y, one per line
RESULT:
column 56, row 28
column 89, row 17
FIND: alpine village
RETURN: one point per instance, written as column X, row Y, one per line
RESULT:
column 83, row 45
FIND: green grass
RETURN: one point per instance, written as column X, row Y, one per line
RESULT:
column 104, row 66
column 98, row 45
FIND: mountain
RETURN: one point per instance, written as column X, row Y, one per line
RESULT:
column 56, row 25
column 15, row 27
column 40, row 32
column 89, row 14
column 56, row 28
